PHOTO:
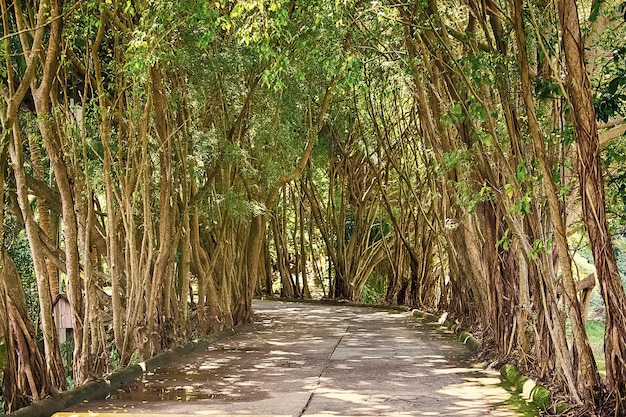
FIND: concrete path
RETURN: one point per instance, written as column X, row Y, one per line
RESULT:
column 314, row 360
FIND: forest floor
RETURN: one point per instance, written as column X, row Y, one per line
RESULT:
column 313, row 360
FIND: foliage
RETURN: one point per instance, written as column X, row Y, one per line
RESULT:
column 614, row 156
column 67, row 353
column 114, row 357
column 16, row 244
column 423, row 159
column 620, row 253
column 610, row 93
column 595, row 330
column 374, row 289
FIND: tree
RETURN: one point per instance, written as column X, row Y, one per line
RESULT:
column 429, row 143
column 593, row 204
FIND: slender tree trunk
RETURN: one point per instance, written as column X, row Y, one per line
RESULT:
column 23, row 369
column 589, row 374
column 306, row 293
column 52, row 376
column 55, row 373
column 70, row 221
column 254, row 246
column 7, row 364
column 41, row 90
column 43, row 211
column 282, row 261
column 184, row 274
column 203, row 264
column 164, row 255
column 593, row 204
column 114, row 258
column 269, row 279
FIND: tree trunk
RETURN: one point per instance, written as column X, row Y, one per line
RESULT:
column 55, row 373
column 589, row 374
column 53, row 376
column 269, row 278
column 203, row 267
column 41, row 90
column 282, row 261
column 157, row 291
column 254, row 247
column 593, row 204
column 23, row 369
column 114, row 257
column 43, row 211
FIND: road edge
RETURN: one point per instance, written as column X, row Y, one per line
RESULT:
column 100, row 387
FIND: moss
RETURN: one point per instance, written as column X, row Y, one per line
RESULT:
column 541, row 397
column 472, row 344
column 561, row 407
column 519, row 384
column 4, row 357
column 510, row 373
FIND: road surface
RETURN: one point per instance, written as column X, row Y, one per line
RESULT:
column 319, row 360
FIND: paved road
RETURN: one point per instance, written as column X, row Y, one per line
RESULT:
column 314, row 360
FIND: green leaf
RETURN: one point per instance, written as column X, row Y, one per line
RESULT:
column 595, row 10
column 509, row 189
column 457, row 110
column 520, row 172
column 615, row 83
column 504, row 241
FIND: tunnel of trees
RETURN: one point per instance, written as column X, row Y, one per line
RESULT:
column 165, row 161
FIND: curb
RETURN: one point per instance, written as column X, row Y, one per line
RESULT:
column 527, row 387
column 463, row 336
column 100, row 387
column 523, row 385
column 340, row 302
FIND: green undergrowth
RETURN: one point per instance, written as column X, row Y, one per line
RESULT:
column 595, row 332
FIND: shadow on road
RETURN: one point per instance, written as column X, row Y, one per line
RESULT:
column 313, row 360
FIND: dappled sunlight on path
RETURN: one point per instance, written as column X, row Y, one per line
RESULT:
column 314, row 360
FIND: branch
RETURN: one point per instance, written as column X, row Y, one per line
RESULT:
column 613, row 131
column 304, row 159
column 42, row 190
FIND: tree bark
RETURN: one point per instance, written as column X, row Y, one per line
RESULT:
column 41, row 90
column 54, row 364
column 44, row 212
column 114, row 256
column 54, row 375
column 157, row 291
column 23, row 368
column 589, row 374
column 593, row 204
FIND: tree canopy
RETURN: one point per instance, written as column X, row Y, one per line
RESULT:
column 163, row 162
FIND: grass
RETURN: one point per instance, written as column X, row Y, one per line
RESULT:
column 583, row 261
column 595, row 332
